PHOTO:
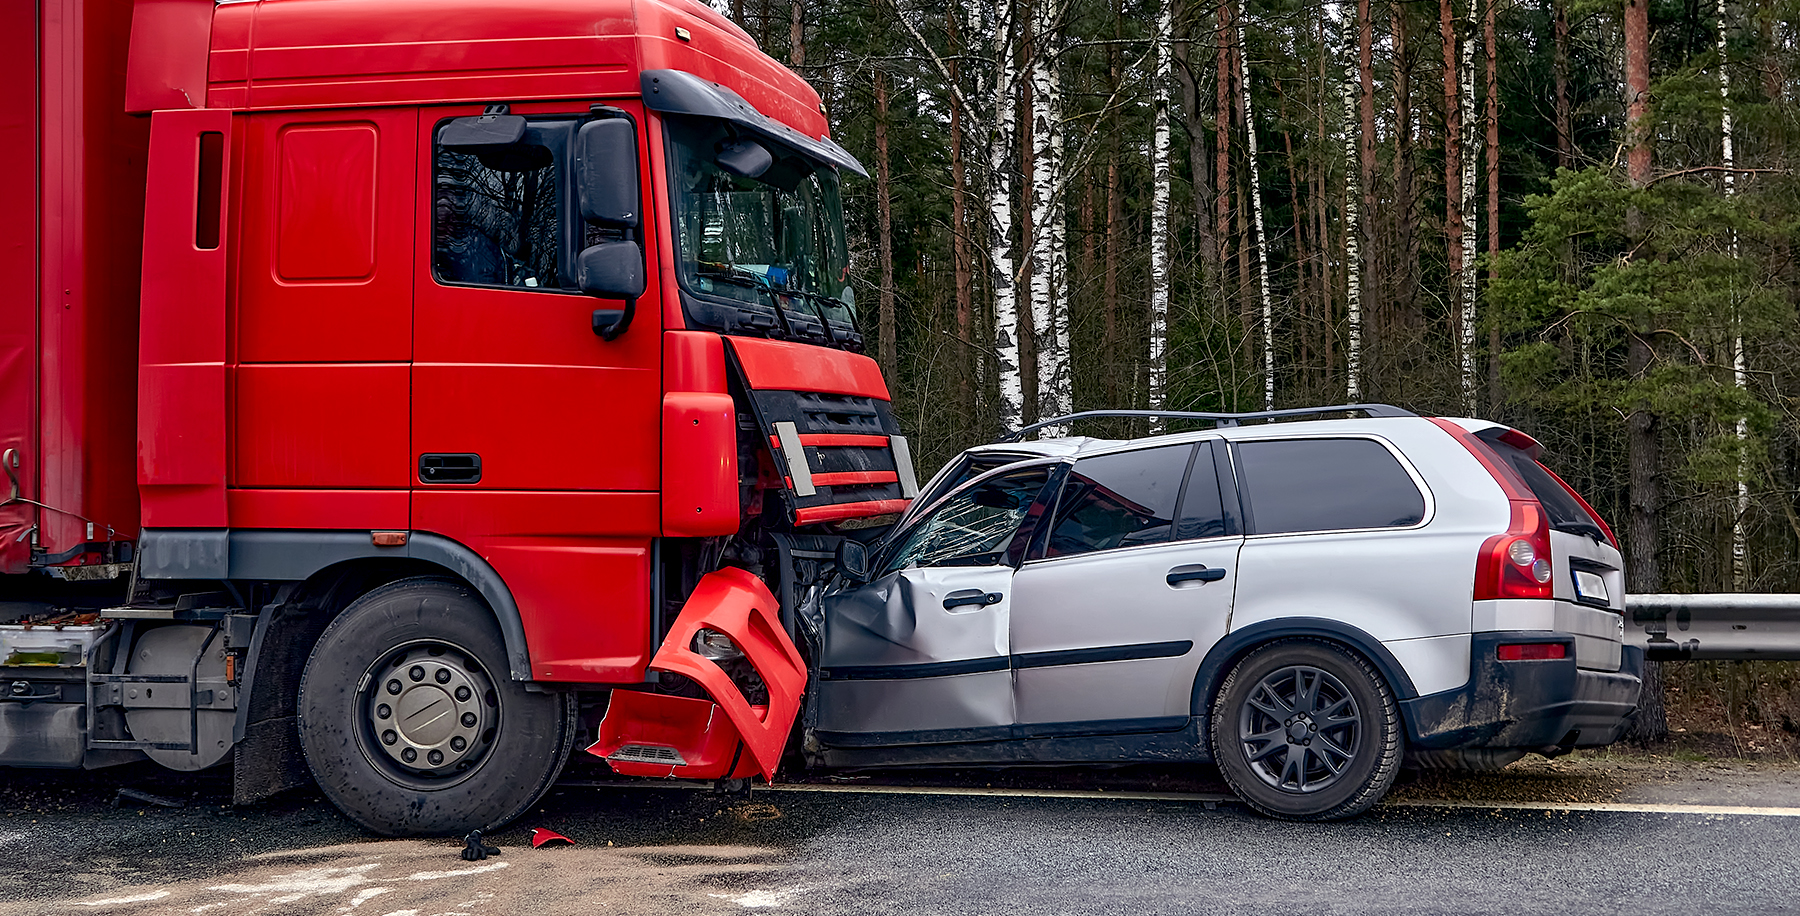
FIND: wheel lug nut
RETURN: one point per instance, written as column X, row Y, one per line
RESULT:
column 443, row 675
column 416, row 673
column 409, row 755
column 393, row 687
column 468, row 720
column 388, row 737
column 436, row 757
column 383, row 711
column 457, row 743
column 462, row 694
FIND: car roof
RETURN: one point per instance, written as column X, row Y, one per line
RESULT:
column 1088, row 446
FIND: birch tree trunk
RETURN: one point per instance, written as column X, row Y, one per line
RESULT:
column 1256, row 214
column 998, row 27
column 1157, row 367
column 1049, row 251
column 1455, row 252
column 1354, row 68
column 1470, row 152
column 1740, row 566
column 1493, row 192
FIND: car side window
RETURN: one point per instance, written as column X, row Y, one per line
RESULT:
column 1119, row 500
column 496, row 217
column 972, row 527
column 1202, row 511
column 1295, row 485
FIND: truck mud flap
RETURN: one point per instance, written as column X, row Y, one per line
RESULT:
column 651, row 734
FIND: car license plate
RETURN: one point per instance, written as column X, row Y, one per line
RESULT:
column 1591, row 587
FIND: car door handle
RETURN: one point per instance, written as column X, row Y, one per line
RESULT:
column 1195, row 573
column 972, row 596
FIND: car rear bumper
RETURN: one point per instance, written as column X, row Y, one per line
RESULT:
column 1527, row 704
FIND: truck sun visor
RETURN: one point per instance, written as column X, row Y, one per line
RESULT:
column 678, row 92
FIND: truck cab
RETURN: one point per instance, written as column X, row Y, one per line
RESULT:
column 493, row 376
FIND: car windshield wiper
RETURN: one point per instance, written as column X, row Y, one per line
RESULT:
column 1579, row 527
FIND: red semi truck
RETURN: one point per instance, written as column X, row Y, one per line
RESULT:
column 401, row 391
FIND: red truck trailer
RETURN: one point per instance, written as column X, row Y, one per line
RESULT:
column 401, row 391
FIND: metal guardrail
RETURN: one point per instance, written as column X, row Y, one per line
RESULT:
column 1714, row 626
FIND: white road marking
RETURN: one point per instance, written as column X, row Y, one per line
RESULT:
column 435, row 875
column 758, row 899
column 1617, row 807
column 307, row 881
column 118, row 901
column 364, row 896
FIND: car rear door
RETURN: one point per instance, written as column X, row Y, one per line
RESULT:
column 1129, row 586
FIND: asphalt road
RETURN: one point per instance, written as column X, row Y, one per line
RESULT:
column 65, row 847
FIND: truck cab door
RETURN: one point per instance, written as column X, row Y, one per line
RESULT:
column 534, row 441
column 922, row 654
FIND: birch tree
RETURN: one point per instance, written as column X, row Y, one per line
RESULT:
column 1740, row 573
column 1049, row 240
column 1159, row 213
column 1354, row 68
column 1256, row 215
column 1470, row 152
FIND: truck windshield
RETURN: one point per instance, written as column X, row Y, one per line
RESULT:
column 762, row 254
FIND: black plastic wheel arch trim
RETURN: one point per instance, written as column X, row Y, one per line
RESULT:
column 1239, row 643
column 291, row 556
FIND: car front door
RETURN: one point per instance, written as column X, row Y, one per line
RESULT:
column 1124, row 594
column 920, row 654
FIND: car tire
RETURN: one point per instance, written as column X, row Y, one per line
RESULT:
column 411, row 723
column 1306, row 730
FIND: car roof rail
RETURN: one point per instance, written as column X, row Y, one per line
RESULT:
column 1219, row 419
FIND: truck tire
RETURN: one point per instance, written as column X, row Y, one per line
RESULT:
column 411, row 724
column 1305, row 730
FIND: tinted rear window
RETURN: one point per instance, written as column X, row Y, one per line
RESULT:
column 1326, row 485
column 1564, row 511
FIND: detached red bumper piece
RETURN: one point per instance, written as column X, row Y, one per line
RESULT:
column 649, row 734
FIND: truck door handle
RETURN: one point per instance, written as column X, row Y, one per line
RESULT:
column 445, row 468
column 1196, row 573
column 964, row 596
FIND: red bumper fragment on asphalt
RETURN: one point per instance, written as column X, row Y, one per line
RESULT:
column 649, row 734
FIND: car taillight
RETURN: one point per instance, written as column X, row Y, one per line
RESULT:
column 1517, row 564
column 1531, row 651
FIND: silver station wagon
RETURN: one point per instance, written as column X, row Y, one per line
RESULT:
column 1311, row 605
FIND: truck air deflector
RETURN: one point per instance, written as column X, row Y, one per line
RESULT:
column 678, row 92
column 703, row 736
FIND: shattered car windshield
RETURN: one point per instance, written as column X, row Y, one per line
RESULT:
column 972, row 527
column 756, row 239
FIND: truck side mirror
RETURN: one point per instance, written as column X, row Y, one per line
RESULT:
column 853, row 561
column 611, row 270
column 745, row 158
column 606, row 172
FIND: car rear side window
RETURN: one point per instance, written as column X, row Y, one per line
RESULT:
column 1295, row 485
column 1119, row 500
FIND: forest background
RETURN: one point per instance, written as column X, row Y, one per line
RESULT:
column 1576, row 217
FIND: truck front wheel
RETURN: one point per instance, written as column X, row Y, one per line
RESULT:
column 410, row 723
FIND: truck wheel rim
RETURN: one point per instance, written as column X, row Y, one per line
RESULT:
column 429, row 714
column 1299, row 729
